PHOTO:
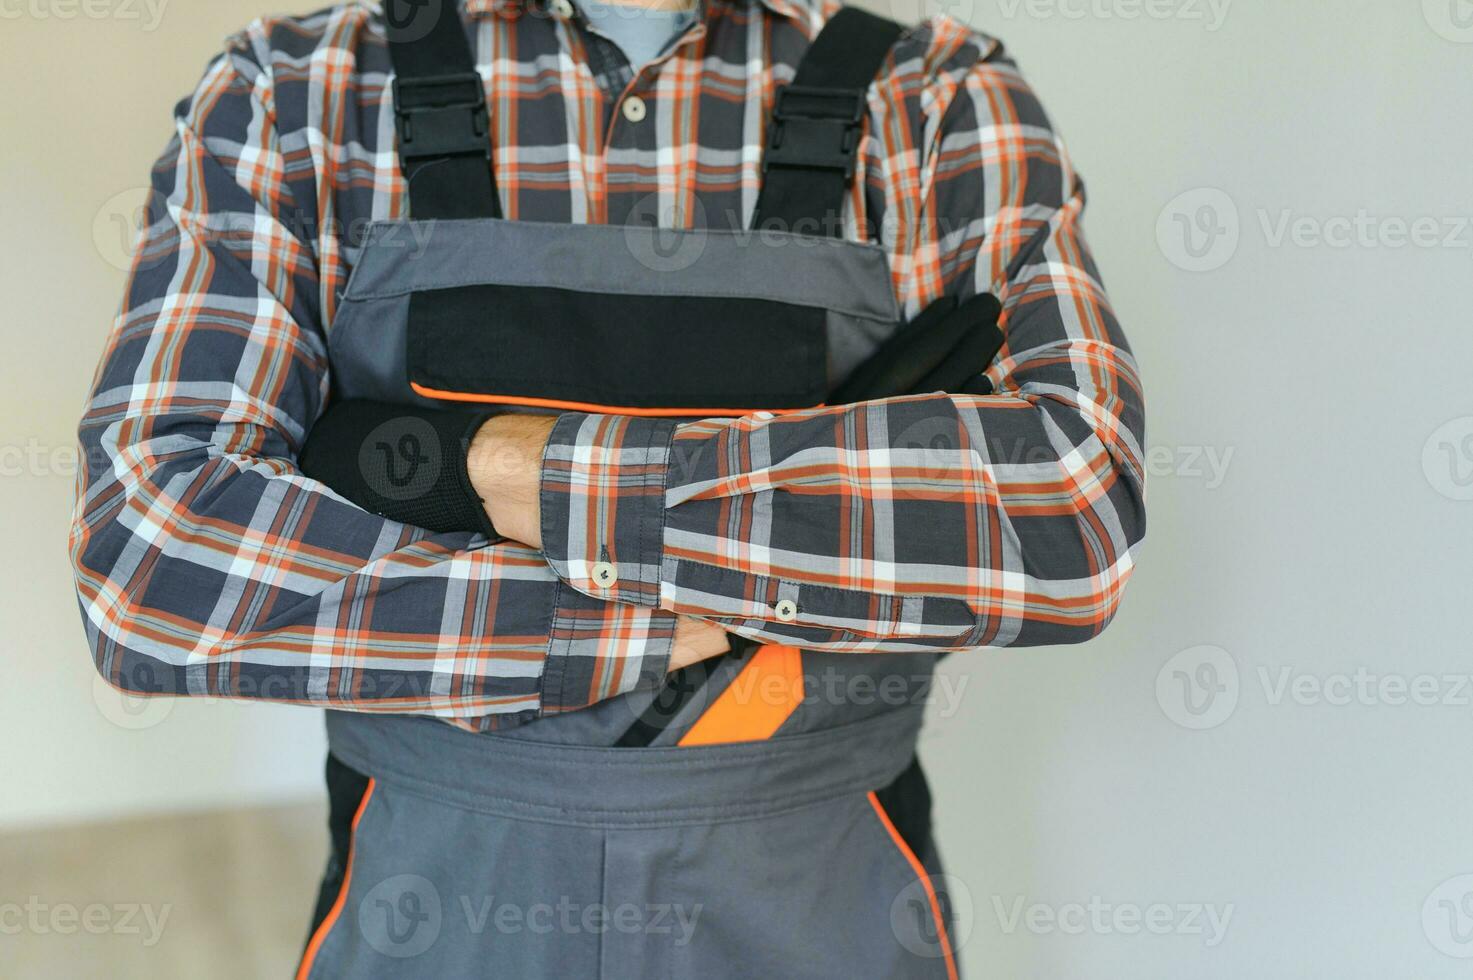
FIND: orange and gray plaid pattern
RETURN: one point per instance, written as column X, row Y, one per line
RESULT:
column 207, row 564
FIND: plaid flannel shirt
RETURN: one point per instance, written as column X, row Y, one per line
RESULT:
column 207, row 564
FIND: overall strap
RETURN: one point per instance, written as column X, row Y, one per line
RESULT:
column 439, row 112
column 813, row 135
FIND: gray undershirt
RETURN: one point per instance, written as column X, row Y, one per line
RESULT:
column 642, row 34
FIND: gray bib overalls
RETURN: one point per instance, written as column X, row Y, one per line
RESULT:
column 763, row 816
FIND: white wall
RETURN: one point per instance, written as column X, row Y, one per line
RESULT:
column 85, row 113
column 1339, row 539
column 1332, row 382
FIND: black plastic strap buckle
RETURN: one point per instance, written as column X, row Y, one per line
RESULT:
column 441, row 116
column 816, row 128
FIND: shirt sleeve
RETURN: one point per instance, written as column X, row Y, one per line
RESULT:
column 207, row 564
column 931, row 522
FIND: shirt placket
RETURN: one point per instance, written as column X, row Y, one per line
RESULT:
column 613, row 112
column 627, row 109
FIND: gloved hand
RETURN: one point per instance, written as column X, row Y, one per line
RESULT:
column 402, row 462
column 945, row 348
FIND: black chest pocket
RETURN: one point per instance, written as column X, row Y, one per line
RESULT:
column 627, row 353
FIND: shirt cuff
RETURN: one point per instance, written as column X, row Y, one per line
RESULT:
column 603, row 504
column 598, row 650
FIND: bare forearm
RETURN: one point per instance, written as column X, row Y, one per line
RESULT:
column 505, row 467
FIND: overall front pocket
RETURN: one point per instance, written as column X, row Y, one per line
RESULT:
column 624, row 353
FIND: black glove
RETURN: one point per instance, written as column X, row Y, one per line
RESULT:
column 402, row 462
column 945, row 348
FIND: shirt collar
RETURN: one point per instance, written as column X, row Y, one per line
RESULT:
column 796, row 9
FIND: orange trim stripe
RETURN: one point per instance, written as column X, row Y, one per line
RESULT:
column 757, row 701
column 320, row 935
column 925, row 879
column 593, row 409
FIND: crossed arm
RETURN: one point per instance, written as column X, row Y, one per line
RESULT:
column 504, row 463
column 207, row 563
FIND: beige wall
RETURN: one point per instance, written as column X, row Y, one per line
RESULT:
column 1312, row 425
column 86, row 111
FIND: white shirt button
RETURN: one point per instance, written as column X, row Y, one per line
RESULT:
column 787, row 610
column 605, row 575
column 561, row 9
column 635, row 109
